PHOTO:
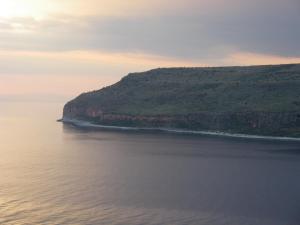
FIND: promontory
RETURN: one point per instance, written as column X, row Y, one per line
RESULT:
column 255, row 100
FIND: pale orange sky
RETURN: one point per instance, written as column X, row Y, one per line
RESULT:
column 65, row 47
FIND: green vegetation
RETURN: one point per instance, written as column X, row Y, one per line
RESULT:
column 180, row 91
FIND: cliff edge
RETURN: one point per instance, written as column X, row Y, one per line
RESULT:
column 258, row 100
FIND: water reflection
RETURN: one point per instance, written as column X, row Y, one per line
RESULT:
column 58, row 174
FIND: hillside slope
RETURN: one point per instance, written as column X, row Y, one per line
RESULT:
column 261, row 100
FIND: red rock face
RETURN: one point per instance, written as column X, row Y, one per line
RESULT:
column 93, row 112
column 264, row 123
column 117, row 117
column 72, row 111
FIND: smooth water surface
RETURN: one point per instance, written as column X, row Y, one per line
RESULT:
column 58, row 174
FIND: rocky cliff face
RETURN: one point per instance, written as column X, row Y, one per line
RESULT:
column 259, row 123
column 261, row 100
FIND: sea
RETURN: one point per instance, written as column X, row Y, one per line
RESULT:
column 58, row 174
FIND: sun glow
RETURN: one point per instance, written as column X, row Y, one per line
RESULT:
column 25, row 8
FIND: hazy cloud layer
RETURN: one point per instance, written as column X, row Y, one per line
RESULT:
column 197, row 31
column 67, row 46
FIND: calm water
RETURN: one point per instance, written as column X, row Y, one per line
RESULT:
column 56, row 174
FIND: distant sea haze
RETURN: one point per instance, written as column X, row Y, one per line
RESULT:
column 54, row 173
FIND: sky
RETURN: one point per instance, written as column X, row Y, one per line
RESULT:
column 60, row 48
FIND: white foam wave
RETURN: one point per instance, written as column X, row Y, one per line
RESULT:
column 81, row 123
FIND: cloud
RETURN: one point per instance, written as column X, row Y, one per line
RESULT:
column 248, row 58
column 88, row 44
column 80, row 63
column 198, row 29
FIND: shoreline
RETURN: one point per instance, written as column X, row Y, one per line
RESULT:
column 86, row 124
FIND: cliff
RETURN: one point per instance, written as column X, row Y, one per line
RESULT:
column 260, row 100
